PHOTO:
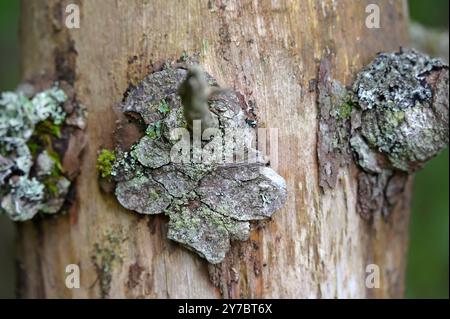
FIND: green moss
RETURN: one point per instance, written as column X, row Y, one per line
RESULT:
column 50, row 181
column 58, row 170
column 50, row 187
column 344, row 110
column 34, row 148
column 105, row 161
column 154, row 130
column 48, row 127
column 42, row 140
column 163, row 107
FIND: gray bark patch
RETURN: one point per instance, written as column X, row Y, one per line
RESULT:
column 335, row 107
column 208, row 203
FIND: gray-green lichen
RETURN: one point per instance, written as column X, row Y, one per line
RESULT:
column 403, row 109
column 208, row 203
column 31, row 178
column 401, row 121
column 202, row 229
column 393, row 120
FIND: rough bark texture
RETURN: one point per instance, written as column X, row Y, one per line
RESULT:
column 210, row 201
column 317, row 246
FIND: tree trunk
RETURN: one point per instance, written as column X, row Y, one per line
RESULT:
column 317, row 246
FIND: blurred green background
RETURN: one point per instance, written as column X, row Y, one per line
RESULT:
column 428, row 263
column 427, row 271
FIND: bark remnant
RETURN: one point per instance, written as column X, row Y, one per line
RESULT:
column 210, row 199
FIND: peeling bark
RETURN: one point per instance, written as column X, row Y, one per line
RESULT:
column 209, row 197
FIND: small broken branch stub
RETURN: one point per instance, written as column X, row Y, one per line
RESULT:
column 396, row 120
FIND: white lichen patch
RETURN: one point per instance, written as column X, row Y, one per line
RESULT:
column 30, row 183
column 209, row 204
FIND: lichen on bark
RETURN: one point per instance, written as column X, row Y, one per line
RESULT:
column 335, row 107
column 34, row 126
column 209, row 203
column 399, row 121
column 403, row 108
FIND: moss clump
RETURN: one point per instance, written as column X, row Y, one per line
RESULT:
column 345, row 110
column 58, row 169
column 163, row 107
column 154, row 130
column 105, row 161
column 33, row 147
column 56, row 173
column 47, row 127
column 51, row 187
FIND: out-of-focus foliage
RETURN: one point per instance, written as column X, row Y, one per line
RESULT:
column 9, row 44
column 427, row 275
column 433, row 13
column 9, row 77
column 428, row 263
